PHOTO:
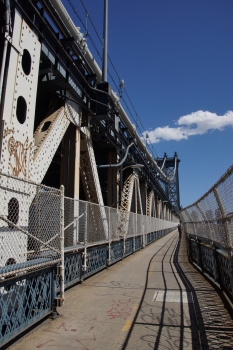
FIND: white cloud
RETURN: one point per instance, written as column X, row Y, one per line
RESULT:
column 196, row 123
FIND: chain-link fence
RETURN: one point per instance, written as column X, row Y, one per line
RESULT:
column 44, row 234
column 211, row 217
column 208, row 224
column 88, row 223
column 33, row 216
column 29, row 226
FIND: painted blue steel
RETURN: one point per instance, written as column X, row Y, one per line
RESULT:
column 224, row 272
column 128, row 246
column 116, row 251
column 24, row 300
column 148, row 238
column 138, row 243
column 73, row 269
column 96, row 259
column 23, row 265
column 152, row 236
column 206, row 259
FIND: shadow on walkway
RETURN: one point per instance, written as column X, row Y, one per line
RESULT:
column 179, row 309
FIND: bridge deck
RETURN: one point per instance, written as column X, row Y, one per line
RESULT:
column 153, row 299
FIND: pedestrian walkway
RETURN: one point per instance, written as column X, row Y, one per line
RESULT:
column 153, row 299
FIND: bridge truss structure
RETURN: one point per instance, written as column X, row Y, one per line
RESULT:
column 78, row 187
column 60, row 123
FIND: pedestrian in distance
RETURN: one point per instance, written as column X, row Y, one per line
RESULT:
column 179, row 230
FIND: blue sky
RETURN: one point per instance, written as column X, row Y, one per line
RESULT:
column 176, row 59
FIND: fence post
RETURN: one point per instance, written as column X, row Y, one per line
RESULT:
column 188, row 244
column 109, row 238
column 62, row 268
column 191, row 222
column 213, row 253
column 37, row 220
column 211, row 243
column 227, row 233
column 143, row 232
column 54, row 293
column 136, row 230
column 84, row 267
column 199, row 256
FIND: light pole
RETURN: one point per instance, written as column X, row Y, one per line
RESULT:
column 105, row 44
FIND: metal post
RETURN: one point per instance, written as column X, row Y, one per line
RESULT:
column 213, row 254
column 54, row 293
column 109, row 238
column 136, row 219
column 84, row 268
column 228, row 236
column 121, row 183
column 36, row 230
column 188, row 245
column 105, row 43
column 136, row 229
column 143, row 233
column 199, row 256
column 76, row 183
column 62, row 268
column 211, row 237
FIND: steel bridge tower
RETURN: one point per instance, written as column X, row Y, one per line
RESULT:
column 170, row 167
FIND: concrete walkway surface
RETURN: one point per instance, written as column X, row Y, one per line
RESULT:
column 153, row 299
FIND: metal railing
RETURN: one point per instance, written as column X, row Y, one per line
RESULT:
column 38, row 225
column 208, row 224
column 84, row 223
column 49, row 242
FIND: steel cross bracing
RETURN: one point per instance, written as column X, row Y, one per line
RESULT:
column 151, row 206
column 88, row 170
column 126, row 128
column 131, row 183
column 127, row 193
column 47, row 139
column 90, row 60
column 90, row 176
